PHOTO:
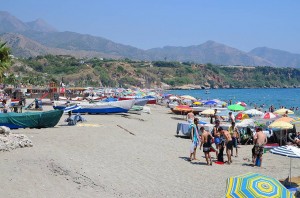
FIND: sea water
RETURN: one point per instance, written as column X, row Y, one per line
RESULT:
column 260, row 98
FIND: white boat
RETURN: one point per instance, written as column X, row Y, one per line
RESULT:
column 101, row 107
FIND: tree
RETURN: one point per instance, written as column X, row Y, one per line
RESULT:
column 5, row 59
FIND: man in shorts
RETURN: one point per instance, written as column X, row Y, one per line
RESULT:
column 260, row 139
column 228, row 143
column 206, row 139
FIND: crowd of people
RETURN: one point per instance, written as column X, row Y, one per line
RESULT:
column 220, row 140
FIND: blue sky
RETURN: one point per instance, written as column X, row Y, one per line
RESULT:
column 156, row 23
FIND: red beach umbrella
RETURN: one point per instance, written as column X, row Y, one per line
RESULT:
column 242, row 104
column 268, row 116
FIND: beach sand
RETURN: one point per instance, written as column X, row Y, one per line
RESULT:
column 124, row 155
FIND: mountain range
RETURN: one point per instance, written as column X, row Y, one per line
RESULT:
column 29, row 39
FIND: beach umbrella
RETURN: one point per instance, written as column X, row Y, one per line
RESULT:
column 255, row 185
column 268, row 115
column 288, row 151
column 253, row 112
column 282, row 111
column 210, row 102
column 197, row 103
column 188, row 97
column 281, row 125
column 285, row 119
column 208, row 112
column 236, row 107
column 242, row 104
column 246, row 123
column 241, row 116
column 173, row 98
column 183, row 108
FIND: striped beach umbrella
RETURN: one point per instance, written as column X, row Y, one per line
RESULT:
column 252, row 185
column 288, row 151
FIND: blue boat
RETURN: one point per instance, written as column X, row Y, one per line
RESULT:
column 100, row 107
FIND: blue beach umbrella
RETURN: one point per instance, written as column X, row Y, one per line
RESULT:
column 252, row 185
column 288, row 151
column 210, row 102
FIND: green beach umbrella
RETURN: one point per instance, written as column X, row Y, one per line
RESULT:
column 236, row 107
column 255, row 185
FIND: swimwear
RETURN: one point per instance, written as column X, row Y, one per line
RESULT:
column 229, row 144
column 258, row 150
column 207, row 145
column 234, row 142
column 206, row 149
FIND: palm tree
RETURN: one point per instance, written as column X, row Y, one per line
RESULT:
column 5, row 59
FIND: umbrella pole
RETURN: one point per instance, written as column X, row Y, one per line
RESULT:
column 280, row 137
column 290, row 171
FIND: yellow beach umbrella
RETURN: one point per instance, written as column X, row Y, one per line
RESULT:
column 282, row 111
column 281, row 125
column 197, row 103
column 286, row 119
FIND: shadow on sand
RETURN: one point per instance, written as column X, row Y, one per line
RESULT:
column 194, row 162
column 177, row 118
column 182, row 136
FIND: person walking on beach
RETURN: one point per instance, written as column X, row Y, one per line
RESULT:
column 260, row 139
column 206, row 143
column 228, row 142
column 233, row 131
column 195, row 139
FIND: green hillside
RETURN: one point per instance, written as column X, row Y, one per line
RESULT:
column 126, row 73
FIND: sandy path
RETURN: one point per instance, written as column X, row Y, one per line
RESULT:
column 103, row 159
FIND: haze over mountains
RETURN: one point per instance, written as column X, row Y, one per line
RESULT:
column 39, row 38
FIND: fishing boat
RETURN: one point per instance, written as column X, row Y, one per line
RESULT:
column 100, row 107
column 45, row 119
column 140, row 100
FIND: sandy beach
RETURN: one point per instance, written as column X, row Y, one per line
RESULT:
column 124, row 155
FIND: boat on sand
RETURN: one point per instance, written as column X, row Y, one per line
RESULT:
column 44, row 119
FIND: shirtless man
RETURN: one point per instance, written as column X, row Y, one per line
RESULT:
column 260, row 139
column 206, row 143
column 233, row 131
column 217, row 136
column 190, row 117
column 229, row 144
